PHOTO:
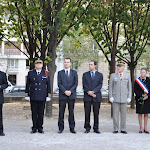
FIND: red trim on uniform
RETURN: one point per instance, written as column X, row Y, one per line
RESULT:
column 47, row 75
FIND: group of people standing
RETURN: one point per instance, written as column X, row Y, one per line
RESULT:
column 38, row 91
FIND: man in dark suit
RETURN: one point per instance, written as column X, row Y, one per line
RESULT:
column 38, row 91
column 3, row 85
column 92, row 84
column 67, row 83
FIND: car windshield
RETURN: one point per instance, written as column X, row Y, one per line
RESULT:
column 19, row 89
column 16, row 89
column 22, row 89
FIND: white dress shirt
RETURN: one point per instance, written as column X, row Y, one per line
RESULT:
column 68, row 71
column 38, row 71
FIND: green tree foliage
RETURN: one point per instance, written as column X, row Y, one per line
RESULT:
column 42, row 24
column 132, row 30
column 79, row 48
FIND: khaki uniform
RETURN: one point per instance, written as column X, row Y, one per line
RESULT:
column 120, row 90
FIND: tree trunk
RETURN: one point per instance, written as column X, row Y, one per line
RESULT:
column 113, row 54
column 132, row 69
column 52, row 69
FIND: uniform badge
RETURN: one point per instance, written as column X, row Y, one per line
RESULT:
column 125, row 78
column 43, row 76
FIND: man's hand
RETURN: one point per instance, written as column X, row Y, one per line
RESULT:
column 27, row 98
column 94, row 95
column 145, row 98
column 68, row 93
column 129, row 100
column 90, row 93
column 48, row 99
column 111, row 99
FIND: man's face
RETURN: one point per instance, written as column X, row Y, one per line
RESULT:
column 120, row 68
column 92, row 66
column 39, row 65
column 67, row 63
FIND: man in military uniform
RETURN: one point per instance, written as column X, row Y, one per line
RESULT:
column 120, row 94
column 3, row 85
column 38, row 91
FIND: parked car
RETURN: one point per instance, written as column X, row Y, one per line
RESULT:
column 104, row 93
column 9, row 88
column 18, row 91
column 56, row 91
column 80, row 93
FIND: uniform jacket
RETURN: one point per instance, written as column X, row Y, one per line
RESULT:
column 67, row 83
column 120, row 88
column 37, row 86
column 94, row 84
column 3, row 84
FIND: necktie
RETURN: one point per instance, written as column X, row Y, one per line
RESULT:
column 92, row 74
column 67, row 73
column 38, row 73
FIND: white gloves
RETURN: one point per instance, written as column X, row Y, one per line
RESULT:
column 27, row 98
column 48, row 99
column 129, row 100
column 111, row 99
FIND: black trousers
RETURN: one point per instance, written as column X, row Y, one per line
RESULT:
column 37, row 109
column 1, row 118
column 62, row 106
column 87, row 109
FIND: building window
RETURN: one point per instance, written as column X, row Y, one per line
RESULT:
column 12, row 79
column 13, row 64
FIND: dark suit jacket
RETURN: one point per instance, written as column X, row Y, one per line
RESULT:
column 37, row 86
column 3, row 84
column 94, row 84
column 67, row 83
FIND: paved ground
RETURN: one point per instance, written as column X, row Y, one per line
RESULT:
column 17, row 121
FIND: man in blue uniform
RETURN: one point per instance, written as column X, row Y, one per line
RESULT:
column 92, row 84
column 67, row 83
column 3, row 85
column 38, row 91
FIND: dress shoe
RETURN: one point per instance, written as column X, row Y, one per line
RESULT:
column 97, row 131
column 140, row 132
column 86, row 131
column 60, row 131
column 124, row 132
column 33, row 131
column 146, row 132
column 73, row 131
column 2, row 134
column 41, row 131
column 115, row 132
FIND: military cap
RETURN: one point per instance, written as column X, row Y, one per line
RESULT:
column 38, row 60
column 120, row 63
